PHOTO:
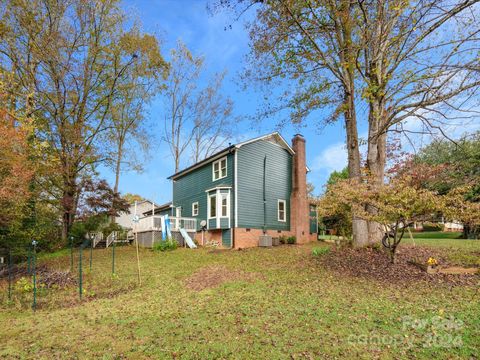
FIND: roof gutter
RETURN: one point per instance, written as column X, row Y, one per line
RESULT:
column 203, row 162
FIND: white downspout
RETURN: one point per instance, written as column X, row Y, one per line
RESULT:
column 235, row 187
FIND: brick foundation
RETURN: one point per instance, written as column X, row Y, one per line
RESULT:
column 209, row 236
column 245, row 239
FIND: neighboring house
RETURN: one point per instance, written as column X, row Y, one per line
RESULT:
column 228, row 189
column 143, row 209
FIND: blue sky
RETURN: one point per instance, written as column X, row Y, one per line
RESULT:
column 205, row 34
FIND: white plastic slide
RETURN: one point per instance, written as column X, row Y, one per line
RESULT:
column 188, row 239
column 168, row 226
column 164, row 230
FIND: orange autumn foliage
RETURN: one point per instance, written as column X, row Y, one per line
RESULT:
column 15, row 169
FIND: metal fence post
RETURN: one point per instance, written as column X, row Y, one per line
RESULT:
column 80, row 284
column 34, row 264
column 71, row 253
column 29, row 260
column 9, row 274
column 91, row 253
column 113, row 255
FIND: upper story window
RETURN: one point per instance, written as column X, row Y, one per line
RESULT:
column 282, row 210
column 220, row 169
column 195, row 209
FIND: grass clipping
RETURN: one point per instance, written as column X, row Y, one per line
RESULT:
column 213, row 276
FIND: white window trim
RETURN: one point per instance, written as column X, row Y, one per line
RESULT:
column 193, row 208
column 284, row 210
column 209, row 215
column 226, row 196
column 218, row 203
column 219, row 162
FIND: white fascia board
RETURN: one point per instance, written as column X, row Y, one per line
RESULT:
column 275, row 133
column 218, row 188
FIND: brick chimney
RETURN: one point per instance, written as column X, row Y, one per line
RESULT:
column 299, row 215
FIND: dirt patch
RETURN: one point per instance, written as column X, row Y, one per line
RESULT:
column 18, row 271
column 375, row 264
column 48, row 277
column 219, row 251
column 213, row 276
column 56, row 278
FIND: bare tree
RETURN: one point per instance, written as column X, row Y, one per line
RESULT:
column 181, row 84
column 198, row 119
column 213, row 125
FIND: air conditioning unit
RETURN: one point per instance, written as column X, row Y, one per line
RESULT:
column 265, row 241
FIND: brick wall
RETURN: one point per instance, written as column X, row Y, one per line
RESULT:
column 209, row 237
column 245, row 239
column 299, row 213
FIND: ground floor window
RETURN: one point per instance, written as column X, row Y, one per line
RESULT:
column 282, row 210
column 212, row 208
column 224, row 205
column 195, row 209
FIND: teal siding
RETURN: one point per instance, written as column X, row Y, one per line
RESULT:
column 250, row 184
column 313, row 219
column 165, row 212
column 227, row 238
column 212, row 223
column 224, row 223
column 191, row 188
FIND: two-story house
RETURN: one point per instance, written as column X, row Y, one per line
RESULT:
column 253, row 188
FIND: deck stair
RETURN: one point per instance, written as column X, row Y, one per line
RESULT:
column 98, row 239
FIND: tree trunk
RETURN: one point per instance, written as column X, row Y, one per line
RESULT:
column 177, row 159
column 359, row 226
column 393, row 253
column 117, row 175
column 69, row 207
column 348, row 59
column 376, row 158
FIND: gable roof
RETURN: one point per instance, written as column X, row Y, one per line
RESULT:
column 158, row 208
column 274, row 137
column 279, row 140
column 140, row 202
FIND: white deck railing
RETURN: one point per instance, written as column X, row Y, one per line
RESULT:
column 97, row 237
column 153, row 223
column 111, row 238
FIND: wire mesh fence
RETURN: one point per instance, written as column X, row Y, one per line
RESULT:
column 31, row 279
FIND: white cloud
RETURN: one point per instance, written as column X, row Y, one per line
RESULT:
column 416, row 134
column 332, row 158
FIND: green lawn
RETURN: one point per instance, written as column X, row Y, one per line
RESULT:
column 291, row 307
column 436, row 235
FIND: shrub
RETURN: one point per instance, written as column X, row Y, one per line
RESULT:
column 169, row 244
column 282, row 239
column 24, row 285
column 429, row 226
column 320, row 251
column 291, row 240
column 107, row 230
